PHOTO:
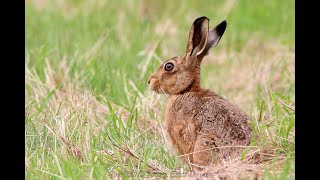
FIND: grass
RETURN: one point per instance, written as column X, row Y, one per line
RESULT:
column 89, row 113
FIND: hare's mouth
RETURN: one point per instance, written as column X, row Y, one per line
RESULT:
column 155, row 86
column 159, row 90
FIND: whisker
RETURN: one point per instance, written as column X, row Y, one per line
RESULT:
column 162, row 90
column 158, row 89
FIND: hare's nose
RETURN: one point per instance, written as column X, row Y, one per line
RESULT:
column 150, row 78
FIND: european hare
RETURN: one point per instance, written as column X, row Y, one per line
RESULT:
column 203, row 126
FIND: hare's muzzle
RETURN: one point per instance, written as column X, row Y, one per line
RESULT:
column 152, row 83
column 151, row 78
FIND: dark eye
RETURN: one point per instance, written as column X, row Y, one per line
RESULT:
column 168, row 67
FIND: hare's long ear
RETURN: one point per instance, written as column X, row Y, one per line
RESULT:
column 214, row 36
column 198, row 36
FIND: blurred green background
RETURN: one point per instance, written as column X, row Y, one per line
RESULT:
column 55, row 29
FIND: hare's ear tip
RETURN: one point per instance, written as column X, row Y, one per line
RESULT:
column 202, row 17
column 224, row 23
column 221, row 27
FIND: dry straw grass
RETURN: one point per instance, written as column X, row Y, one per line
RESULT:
column 68, row 109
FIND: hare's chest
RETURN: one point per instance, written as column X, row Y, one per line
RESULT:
column 181, row 122
column 182, row 109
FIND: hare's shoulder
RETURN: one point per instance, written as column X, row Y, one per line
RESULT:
column 191, row 101
column 187, row 102
column 206, row 104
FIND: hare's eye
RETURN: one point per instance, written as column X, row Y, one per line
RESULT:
column 168, row 67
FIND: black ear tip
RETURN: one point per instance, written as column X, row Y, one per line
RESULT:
column 203, row 17
column 223, row 23
column 221, row 27
column 200, row 19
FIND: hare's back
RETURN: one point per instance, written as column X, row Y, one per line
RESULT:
column 227, row 121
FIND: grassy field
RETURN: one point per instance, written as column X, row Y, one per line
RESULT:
column 90, row 115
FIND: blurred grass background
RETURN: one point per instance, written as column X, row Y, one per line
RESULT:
column 87, row 64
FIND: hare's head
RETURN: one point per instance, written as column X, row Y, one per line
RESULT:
column 181, row 74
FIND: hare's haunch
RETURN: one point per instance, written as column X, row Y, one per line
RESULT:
column 204, row 127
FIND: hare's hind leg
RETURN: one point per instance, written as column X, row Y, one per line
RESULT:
column 204, row 152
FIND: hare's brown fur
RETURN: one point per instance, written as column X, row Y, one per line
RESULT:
column 204, row 127
column 206, row 123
